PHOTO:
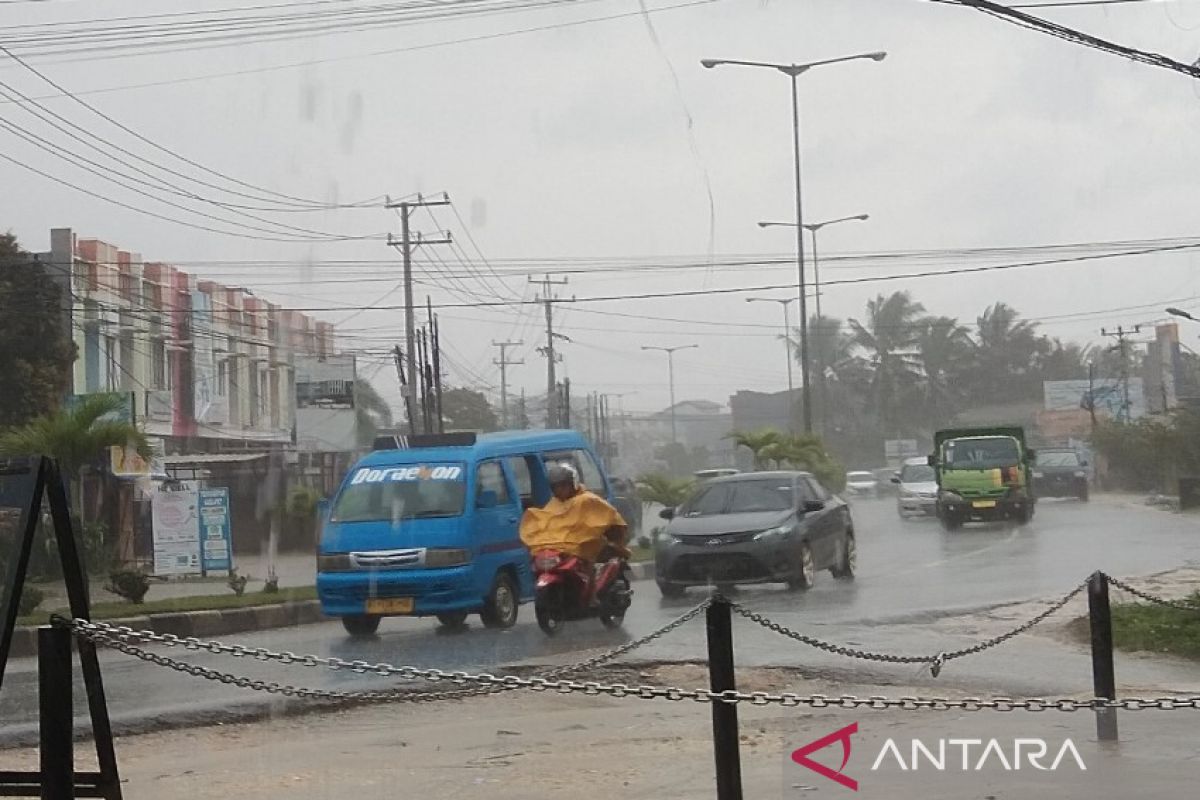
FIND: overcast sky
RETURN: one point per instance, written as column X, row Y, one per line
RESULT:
column 593, row 142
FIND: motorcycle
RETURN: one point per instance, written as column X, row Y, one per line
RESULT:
column 570, row 588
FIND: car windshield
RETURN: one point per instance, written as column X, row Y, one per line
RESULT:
column 917, row 473
column 397, row 493
column 982, row 453
column 1058, row 459
column 741, row 497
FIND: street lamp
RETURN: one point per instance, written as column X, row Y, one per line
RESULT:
column 670, row 351
column 1179, row 312
column 794, row 71
column 813, row 227
column 787, row 342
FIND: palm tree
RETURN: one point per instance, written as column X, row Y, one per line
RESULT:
column 762, row 444
column 371, row 410
column 1007, row 348
column 889, row 334
column 946, row 350
column 76, row 437
column 655, row 487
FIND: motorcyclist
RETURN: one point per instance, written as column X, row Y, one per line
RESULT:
column 575, row 520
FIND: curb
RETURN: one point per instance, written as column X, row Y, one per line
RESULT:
column 199, row 623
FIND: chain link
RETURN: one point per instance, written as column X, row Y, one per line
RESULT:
column 934, row 661
column 1125, row 587
column 118, row 639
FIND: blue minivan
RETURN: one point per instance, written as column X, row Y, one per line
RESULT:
column 429, row 526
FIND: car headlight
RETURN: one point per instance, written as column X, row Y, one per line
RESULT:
column 334, row 562
column 1038, row 474
column 446, row 557
column 773, row 533
column 1080, row 473
column 666, row 540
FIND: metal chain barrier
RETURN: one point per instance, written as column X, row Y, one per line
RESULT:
column 1125, row 587
column 117, row 638
column 935, row 662
column 126, row 640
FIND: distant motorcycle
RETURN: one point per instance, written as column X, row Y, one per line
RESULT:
column 570, row 588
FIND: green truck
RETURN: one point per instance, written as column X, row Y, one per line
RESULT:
column 983, row 474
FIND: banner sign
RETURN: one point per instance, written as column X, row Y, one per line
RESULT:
column 216, row 544
column 176, row 526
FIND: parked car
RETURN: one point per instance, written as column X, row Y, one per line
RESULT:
column 917, row 485
column 1060, row 473
column 862, row 483
column 758, row 527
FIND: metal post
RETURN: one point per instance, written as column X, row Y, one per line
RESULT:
column 807, row 389
column 724, row 715
column 410, row 328
column 1104, row 678
column 787, row 342
column 57, row 714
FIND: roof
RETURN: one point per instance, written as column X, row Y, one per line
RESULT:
column 211, row 458
column 763, row 476
column 487, row 445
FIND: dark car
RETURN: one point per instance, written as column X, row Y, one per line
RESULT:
column 758, row 527
column 1060, row 473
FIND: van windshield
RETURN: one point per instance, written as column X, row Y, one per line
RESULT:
column 405, row 492
column 917, row 473
column 989, row 453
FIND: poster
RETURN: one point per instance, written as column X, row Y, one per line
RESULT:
column 1107, row 395
column 216, row 547
column 176, row 527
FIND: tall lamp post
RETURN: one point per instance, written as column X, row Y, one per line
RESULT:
column 787, row 343
column 670, row 351
column 813, row 227
column 794, row 71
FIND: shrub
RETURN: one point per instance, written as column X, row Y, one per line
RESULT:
column 644, row 542
column 237, row 582
column 130, row 584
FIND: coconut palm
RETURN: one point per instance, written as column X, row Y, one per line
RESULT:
column 889, row 334
column 76, row 437
column 946, row 352
column 656, row 487
column 1005, row 356
column 763, row 444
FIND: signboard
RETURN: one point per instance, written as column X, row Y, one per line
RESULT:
column 209, row 407
column 900, row 449
column 326, row 382
column 176, row 529
column 160, row 405
column 1107, row 395
column 125, row 462
column 216, row 551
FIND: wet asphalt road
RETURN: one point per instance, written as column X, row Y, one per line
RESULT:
column 910, row 573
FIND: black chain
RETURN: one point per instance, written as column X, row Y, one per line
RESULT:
column 1125, row 587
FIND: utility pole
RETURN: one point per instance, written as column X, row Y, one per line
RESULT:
column 553, row 419
column 1122, row 346
column 407, row 244
column 404, row 392
column 503, row 363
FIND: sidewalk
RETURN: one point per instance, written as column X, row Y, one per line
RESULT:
column 526, row 746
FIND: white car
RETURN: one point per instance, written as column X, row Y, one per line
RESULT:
column 917, row 488
column 862, row 483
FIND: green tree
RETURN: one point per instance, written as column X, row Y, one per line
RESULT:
column 946, row 352
column 468, row 410
column 763, row 444
column 890, row 334
column 1005, row 357
column 37, row 372
column 76, row 437
column 657, row 487
column 371, row 410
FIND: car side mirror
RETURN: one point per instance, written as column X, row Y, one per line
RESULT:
column 895, row 479
column 488, row 498
column 667, row 513
column 1083, row 463
column 812, row 505
column 323, row 508
column 931, row 460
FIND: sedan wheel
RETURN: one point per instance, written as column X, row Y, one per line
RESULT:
column 807, row 571
column 848, row 560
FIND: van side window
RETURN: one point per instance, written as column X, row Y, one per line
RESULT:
column 520, row 472
column 490, row 478
column 589, row 473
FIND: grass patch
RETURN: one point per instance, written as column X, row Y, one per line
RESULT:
column 641, row 554
column 1152, row 628
column 208, row 602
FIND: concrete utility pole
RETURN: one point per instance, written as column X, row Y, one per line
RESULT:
column 503, row 363
column 407, row 244
column 1122, row 346
column 670, row 351
column 547, row 297
column 787, row 343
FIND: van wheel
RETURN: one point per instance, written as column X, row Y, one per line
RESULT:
column 455, row 619
column 361, row 625
column 500, row 605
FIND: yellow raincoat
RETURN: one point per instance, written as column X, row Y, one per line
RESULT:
column 575, row 526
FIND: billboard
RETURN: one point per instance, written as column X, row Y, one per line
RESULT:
column 1106, row 395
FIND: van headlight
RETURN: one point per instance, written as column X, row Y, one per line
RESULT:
column 773, row 534
column 447, row 557
column 334, row 562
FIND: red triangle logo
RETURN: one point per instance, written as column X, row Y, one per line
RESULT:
column 801, row 756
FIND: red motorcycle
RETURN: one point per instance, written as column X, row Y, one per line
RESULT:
column 568, row 587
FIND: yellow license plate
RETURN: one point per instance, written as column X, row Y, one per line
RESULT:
column 983, row 504
column 390, row 605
